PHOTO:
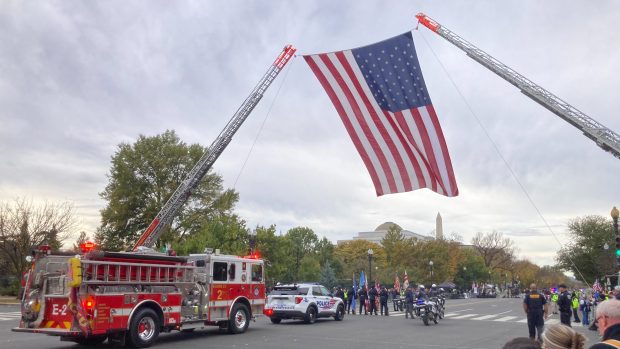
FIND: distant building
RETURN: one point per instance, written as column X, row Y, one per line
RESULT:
column 438, row 227
column 378, row 234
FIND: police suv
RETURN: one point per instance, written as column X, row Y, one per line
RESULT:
column 303, row 301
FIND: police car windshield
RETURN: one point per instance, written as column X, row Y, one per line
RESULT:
column 289, row 291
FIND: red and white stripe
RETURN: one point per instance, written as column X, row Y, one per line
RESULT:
column 402, row 151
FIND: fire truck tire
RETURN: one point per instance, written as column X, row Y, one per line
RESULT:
column 310, row 317
column 239, row 319
column 275, row 320
column 339, row 316
column 144, row 328
column 91, row 341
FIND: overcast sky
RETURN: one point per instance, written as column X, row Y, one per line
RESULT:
column 79, row 77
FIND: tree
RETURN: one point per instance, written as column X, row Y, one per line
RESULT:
column 583, row 252
column 302, row 242
column 24, row 225
column 142, row 178
column 496, row 250
column 328, row 277
column 80, row 240
column 353, row 255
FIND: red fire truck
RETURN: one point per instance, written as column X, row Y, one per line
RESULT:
column 130, row 297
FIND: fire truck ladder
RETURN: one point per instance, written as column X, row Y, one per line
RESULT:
column 182, row 193
column 604, row 137
column 123, row 273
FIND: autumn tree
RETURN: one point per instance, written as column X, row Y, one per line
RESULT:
column 354, row 258
column 143, row 176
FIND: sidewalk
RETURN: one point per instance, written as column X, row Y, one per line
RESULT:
column 7, row 300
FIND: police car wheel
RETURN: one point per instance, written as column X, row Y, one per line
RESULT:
column 310, row 317
column 339, row 313
column 275, row 320
column 144, row 328
column 239, row 319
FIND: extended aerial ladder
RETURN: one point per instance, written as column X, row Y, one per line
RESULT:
column 182, row 193
column 604, row 137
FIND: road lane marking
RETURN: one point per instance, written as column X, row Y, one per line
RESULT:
column 522, row 321
column 506, row 318
column 463, row 316
column 484, row 317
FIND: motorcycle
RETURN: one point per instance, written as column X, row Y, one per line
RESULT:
column 440, row 304
column 426, row 311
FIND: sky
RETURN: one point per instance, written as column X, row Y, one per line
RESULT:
column 77, row 78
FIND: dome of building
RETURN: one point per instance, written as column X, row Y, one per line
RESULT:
column 387, row 225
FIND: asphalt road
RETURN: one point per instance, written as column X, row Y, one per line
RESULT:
column 469, row 323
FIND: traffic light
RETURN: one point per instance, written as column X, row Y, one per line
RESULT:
column 618, row 250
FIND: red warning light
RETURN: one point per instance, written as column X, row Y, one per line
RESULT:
column 87, row 246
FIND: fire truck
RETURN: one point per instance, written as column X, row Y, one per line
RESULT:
column 129, row 298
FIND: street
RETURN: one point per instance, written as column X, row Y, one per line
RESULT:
column 469, row 323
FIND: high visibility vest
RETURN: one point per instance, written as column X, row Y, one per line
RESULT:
column 345, row 295
column 575, row 303
column 554, row 298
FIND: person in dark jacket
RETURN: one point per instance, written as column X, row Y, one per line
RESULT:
column 383, row 299
column 564, row 305
column 536, row 307
column 362, row 296
column 351, row 295
column 340, row 293
column 409, row 299
column 608, row 318
column 372, row 297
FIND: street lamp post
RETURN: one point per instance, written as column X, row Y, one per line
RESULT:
column 370, row 252
column 614, row 215
column 464, row 278
column 430, row 263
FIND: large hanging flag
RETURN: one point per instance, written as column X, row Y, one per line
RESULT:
column 405, row 280
column 380, row 95
column 362, row 280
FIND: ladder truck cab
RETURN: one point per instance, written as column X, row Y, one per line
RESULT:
column 130, row 298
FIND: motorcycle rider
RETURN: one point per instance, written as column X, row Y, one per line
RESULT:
column 409, row 297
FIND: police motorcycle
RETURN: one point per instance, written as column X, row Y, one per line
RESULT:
column 426, row 309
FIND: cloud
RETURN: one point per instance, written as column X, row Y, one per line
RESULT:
column 78, row 78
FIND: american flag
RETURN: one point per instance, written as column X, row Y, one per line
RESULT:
column 405, row 280
column 596, row 287
column 396, row 283
column 380, row 95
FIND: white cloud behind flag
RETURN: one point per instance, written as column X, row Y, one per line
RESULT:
column 380, row 95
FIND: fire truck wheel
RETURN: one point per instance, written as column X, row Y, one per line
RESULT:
column 339, row 313
column 144, row 328
column 310, row 317
column 239, row 319
column 275, row 320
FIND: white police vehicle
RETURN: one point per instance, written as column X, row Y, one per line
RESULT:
column 303, row 301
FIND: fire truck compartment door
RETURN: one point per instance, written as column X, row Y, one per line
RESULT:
column 57, row 314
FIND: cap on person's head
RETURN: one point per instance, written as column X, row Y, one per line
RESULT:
column 562, row 286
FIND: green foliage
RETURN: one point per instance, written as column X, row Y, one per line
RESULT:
column 226, row 233
column 142, row 178
column 303, row 242
column 328, row 276
column 583, row 250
